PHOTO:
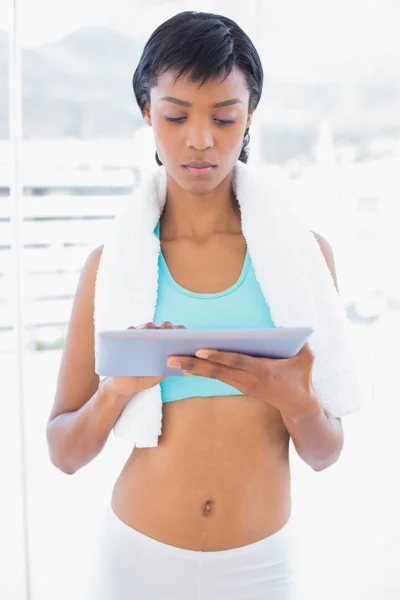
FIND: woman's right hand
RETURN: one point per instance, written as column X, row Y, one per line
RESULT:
column 131, row 385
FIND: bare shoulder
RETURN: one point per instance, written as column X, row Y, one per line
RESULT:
column 327, row 251
column 77, row 379
column 85, row 290
column 94, row 256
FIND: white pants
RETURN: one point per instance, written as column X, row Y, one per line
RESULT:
column 132, row 566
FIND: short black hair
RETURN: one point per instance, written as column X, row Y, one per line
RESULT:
column 208, row 46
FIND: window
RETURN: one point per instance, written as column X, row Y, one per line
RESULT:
column 327, row 125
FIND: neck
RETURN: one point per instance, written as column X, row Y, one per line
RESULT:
column 197, row 216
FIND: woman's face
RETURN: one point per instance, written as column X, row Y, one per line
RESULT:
column 192, row 123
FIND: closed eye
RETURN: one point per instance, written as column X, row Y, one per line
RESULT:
column 219, row 121
column 225, row 122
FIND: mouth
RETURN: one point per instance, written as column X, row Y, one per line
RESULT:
column 199, row 169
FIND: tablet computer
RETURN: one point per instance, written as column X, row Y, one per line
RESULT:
column 145, row 351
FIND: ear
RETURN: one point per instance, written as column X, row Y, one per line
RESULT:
column 147, row 114
column 249, row 119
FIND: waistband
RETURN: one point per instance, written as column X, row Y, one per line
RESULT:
column 278, row 544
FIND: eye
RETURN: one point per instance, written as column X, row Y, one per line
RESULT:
column 223, row 122
column 219, row 121
column 177, row 120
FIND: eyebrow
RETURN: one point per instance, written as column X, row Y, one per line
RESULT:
column 189, row 105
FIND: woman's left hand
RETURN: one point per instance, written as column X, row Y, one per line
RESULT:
column 284, row 383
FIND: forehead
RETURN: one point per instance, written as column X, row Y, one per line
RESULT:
column 214, row 90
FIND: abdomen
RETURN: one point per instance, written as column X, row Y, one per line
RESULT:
column 218, row 479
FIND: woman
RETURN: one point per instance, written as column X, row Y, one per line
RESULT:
column 205, row 514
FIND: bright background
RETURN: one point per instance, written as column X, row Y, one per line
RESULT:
column 328, row 127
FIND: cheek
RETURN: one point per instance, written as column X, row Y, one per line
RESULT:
column 164, row 136
column 167, row 136
column 233, row 136
column 159, row 128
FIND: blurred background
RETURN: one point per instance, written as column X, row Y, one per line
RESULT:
column 327, row 127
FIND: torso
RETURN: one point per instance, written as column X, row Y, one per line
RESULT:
column 219, row 477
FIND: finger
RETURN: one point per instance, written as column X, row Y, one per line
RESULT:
column 240, row 379
column 164, row 325
column 235, row 360
column 169, row 325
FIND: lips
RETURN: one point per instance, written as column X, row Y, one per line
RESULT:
column 199, row 171
column 199, row 165
column 198, row 168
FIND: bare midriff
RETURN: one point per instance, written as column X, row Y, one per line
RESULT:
column 218, row 479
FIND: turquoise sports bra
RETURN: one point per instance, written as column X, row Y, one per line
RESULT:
column 241, row 306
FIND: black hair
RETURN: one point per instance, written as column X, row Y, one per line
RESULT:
column 206, row 44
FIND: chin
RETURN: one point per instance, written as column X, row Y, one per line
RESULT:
column 199, row 187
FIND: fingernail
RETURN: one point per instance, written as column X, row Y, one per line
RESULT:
column 173, row 362
column 202, row 353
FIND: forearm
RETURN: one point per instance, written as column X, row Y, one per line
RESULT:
column 317, row 437
column 76, row 438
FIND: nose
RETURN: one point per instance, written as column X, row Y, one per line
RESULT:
column 199, row 137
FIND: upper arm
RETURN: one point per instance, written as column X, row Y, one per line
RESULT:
column 328, row 255
column 77, row 380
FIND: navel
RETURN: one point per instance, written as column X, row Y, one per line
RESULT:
column 208, row 508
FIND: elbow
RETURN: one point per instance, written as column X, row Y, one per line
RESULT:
column 57, row 457
column 321, row 466
column 62, row 467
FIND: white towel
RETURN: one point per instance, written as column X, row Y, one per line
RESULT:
column 289, row 267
